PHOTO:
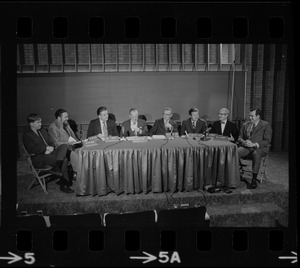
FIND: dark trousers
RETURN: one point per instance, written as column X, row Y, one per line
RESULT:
column 254, row 154
column 59, row 154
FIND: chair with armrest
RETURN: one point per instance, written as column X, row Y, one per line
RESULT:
column 40, row 174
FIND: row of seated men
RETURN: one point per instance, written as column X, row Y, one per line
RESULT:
column 137, row 126
column 52, row 146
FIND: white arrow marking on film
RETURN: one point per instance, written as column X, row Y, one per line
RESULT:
column 13, row 259
column 147, row 258
column 294, row 258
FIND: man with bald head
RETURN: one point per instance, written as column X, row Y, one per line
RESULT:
column 225, row 127
column 134, row 126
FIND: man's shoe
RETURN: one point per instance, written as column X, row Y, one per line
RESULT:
column 253, row 183
column 248, row 184
column 66, row 189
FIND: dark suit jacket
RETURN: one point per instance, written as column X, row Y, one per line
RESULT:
column 159, row 127
column 187, row 126
column 95, row 128
column 230, row 128
column 127, row 129
column 35, row 145
column 262, row 134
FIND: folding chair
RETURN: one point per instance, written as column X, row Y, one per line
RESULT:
column 246, row 166
column 39, row 173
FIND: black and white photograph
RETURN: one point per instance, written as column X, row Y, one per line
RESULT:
column 193, row 105
column 147, row 134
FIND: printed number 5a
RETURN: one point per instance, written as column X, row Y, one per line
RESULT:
column 30, row 258
column 164, row 258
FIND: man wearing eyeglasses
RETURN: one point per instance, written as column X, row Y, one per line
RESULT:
column 255, row 140
column 165, row 124
column 225, row 127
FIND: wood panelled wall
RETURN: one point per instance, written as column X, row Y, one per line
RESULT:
column 267, row 88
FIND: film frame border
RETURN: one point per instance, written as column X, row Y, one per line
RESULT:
column 114, row 14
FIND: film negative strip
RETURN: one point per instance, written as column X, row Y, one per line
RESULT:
column 254, row 227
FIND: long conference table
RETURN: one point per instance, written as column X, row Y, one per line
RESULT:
column 159, row 166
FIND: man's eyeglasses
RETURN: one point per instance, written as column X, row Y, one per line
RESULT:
column 221, row 114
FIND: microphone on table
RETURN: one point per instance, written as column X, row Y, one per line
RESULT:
column 186, row 134
column 172, row 128
column 122, row 133
column 205, row 138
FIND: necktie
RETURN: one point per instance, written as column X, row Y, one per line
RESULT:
column 41, row 136
column 105, row 129
column 194, row 124
column 66, row 129
column 222, row 127
column 166, row 122
column 250, row 129
column 135, row 132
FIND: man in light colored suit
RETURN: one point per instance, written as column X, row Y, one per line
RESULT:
column 225, row 127
column 61, row 133
column 255, row 140
column 194, row 124
column 134, row 126
column 165, row 124
column 102, row 126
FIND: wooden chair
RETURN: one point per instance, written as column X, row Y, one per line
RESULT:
column 40, row 174
column 246, row 166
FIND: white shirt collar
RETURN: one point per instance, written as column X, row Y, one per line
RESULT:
column 102, row 122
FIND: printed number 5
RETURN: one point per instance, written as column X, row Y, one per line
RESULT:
column 163, row 255
column 30, row 257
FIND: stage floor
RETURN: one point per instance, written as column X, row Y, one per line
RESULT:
column 269, row 199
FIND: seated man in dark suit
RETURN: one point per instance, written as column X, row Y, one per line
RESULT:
column 165, row 124
column 255, row 140
column 38, row 143
column 225, row 127
column 102, row 126
column 134, row 126
column 194, row 124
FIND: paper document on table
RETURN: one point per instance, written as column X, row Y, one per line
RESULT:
column 159, row 137
column 71, row 139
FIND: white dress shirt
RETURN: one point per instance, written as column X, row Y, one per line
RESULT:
column 223, row 126
column 102, row 126
column 132, row 125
